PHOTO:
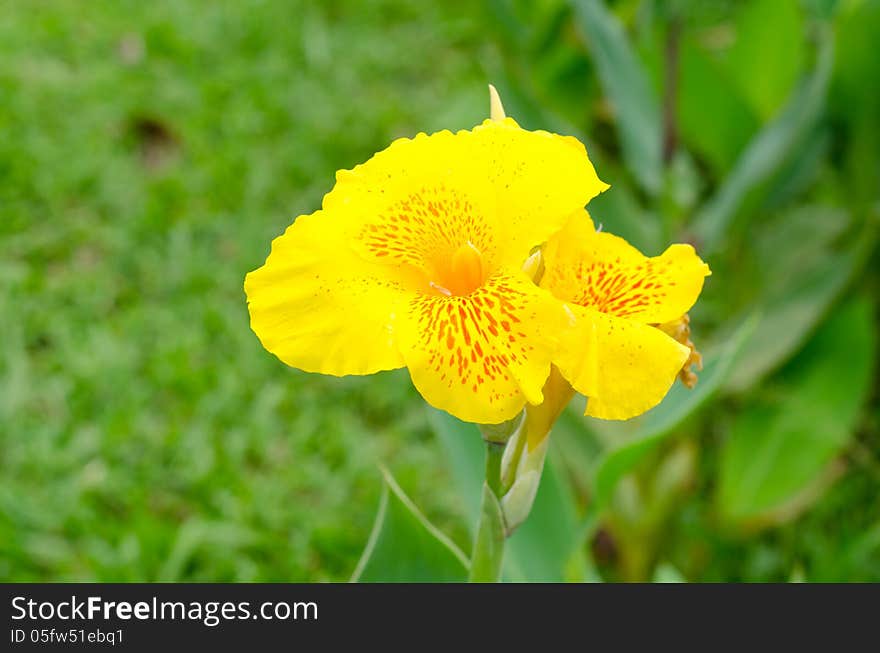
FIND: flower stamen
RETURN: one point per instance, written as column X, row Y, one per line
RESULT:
column 462, row 274
column 440, row 289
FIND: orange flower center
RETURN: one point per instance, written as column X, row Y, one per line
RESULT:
column 462, row 274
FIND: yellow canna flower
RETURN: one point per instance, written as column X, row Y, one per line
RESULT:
column 415, row 260
column 610, row 351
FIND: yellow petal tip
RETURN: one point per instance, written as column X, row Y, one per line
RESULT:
column 496, row 109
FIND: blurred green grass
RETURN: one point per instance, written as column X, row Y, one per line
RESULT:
column 149, row 152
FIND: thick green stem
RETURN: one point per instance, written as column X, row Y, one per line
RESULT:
column 488, row 552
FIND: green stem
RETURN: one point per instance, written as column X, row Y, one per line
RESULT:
column 488, row 552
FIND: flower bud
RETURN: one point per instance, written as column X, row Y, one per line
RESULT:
column 523, row 460
column 496, row 109
column 516, row 504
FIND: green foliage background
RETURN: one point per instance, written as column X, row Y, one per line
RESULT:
column 149, row 152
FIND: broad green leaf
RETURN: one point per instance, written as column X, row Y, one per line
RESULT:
column 768, row 54
column 528, row 96
column 855, row 104
column 405, row 547
column 542, row 547
column 708, row 98
column 627, row 87
column 802, row 282
column 466, row 454
column 825, row 9
column 659, row 423
column 766, row 154
column 536, row 47
column 801, row 173
column 507, row 22
column 779, row 449
column 865, row 549
column 619, row 213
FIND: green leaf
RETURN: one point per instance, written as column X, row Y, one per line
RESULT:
column 620, row 213
column 639, row 122
column 706, row 98
column 542, row 548
column 778, row 451
column 405, row 547
column 804, row 278
column 768, row 54
column 766, row 154
column 803, row 171
column 466, row 453
column 855, row 104
column 659, row 423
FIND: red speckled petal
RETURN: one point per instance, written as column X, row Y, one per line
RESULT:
column 483, row 355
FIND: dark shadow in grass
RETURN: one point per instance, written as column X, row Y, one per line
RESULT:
column 156, row 143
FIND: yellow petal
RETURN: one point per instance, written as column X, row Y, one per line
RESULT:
column 680, row 331
column 540, row 419
column 482, row 356
column 443, row 232
column 318, row 306
column 624, row 368
column 539, row 180
column 503, row 188
column 603, row 271
column 414, row 238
